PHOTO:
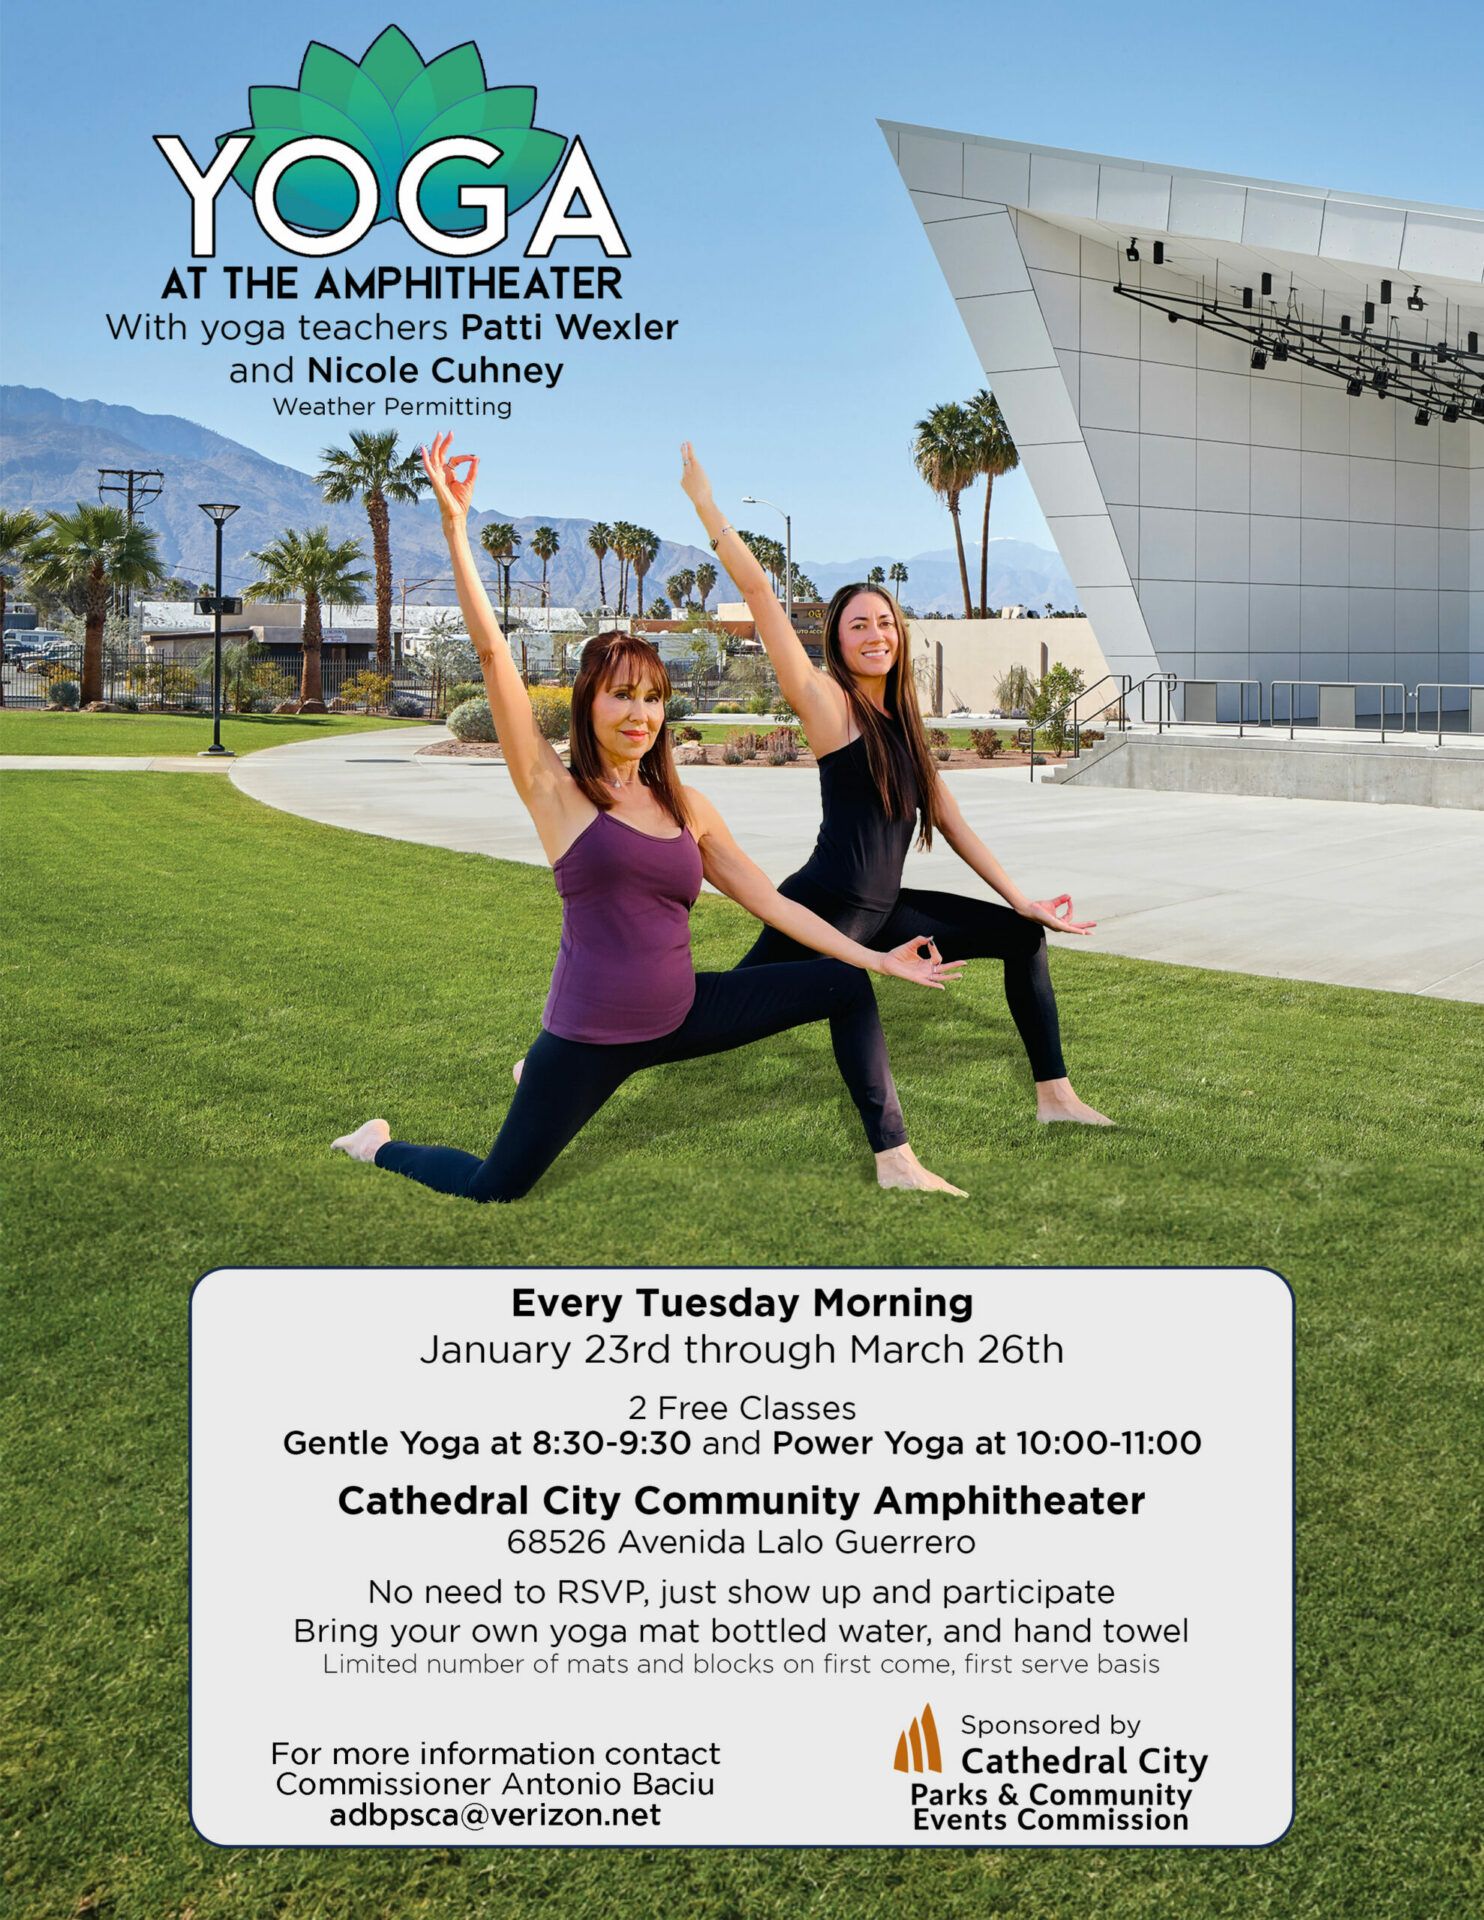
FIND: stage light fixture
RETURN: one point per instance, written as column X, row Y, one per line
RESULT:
column 1385, row 293
column 1450, row 413
column 1370, row 313
column 1473, row 343
column 1416, row 358
column 1159, row 253
column 1354, row 388
column 1280, row 350
column 1267, row 285
column 1422, row 416
column 1478, row 407
column 1259, row 359
column 1415, row 300
column 1131, row 251
column 1344, row 323
column 1380, row 380
column 1246, row 296
column 1173, row 318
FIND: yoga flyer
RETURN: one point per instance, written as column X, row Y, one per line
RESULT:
column 743, row 1012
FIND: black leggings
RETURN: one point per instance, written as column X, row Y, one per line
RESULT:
column 564, row 1082
column 963, row 930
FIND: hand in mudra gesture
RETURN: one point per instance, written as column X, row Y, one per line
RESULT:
column 926, row 968
column 454, row 494
column 1056, row 914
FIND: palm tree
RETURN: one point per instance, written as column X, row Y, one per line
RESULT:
column 944, row 453
column 644, row 548
column 680, row 584
column 18, row 527
column 897, row 573
column 546, row 543
column 706, row 577
column 370, row 467
column 876, row 577
column 624, row 535
column 994, row 454
column 308, row 566
column 91, row 551
column 600, row 539
column 502, row 543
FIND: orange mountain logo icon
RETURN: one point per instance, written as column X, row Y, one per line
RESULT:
column 925, row 1755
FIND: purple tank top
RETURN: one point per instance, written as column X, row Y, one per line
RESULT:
column 624, row 970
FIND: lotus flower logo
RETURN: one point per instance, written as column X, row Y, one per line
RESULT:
column 388, row 107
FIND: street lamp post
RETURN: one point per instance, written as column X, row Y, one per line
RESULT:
column 756, row 500
column 220, row 513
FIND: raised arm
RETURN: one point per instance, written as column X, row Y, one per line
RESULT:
column 814, row 697
column 1056, row 914
column 730, row 871
column 541, row 780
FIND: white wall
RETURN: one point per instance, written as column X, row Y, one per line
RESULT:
column 977, row 653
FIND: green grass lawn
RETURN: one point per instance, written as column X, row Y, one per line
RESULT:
column 32, row 730
column 202, row 992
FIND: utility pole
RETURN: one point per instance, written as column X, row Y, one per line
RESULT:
column 140, row 485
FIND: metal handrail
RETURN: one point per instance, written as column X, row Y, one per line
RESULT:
column 1224, row 680
column 1384, row 685
column 1439, row 687
column 1125, row 687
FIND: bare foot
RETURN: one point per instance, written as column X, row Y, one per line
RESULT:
column 1055, row 1100
column 518, row 1069
column 900, row 1167
column 362, row 1144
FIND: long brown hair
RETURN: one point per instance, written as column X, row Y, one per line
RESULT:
column 901, row 703
column 621, row 657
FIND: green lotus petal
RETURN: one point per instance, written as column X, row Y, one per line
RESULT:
column 392, row 63
column 452, row 76
column 388, row 106
column 528, row 158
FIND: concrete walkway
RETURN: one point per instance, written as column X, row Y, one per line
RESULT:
column 1354, row 894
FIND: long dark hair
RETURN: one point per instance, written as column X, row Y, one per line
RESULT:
column 882, row 755
column 619, row 657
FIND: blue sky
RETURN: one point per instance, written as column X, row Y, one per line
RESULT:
column 740, row 150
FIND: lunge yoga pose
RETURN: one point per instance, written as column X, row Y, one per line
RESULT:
column 629, row 846
column 879, row 787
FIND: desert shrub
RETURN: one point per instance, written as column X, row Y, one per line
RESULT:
column 745, row 745
column 936, row 737
column 730, row 756
column 782, row 743
column 776, row 757
column 465, row 690
column 759, row 703
column 985, row 742
column 687, row 733
column 126, row 703
column 679, row 706
column 945, row 754
column 63, row 694
column 367, row 688
column 472, row 720
column 405, row 708
column 1090, row 737
column 552, row 707
column 727, row 706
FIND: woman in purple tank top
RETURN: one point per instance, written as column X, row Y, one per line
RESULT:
column 630, row 846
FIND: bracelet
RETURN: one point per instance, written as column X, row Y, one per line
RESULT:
column 720, row 531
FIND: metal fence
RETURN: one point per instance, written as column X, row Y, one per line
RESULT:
column 180, row 682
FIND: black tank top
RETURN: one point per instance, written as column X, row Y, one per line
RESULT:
column 860, row 852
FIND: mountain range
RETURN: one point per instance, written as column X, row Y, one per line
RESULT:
column 51, row 449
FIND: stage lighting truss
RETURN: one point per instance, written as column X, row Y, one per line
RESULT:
column 1436, row 377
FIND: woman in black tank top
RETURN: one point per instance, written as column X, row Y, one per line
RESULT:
column 879, row 789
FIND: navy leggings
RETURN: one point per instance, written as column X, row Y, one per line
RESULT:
column 564, row 1082
column 963, row 930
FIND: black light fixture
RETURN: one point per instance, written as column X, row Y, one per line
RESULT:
column 1478, row 407
column 1280, row 350
column 1385, row 293
column 1246, row 296
column 1380, row 380
column 1354, row 388
column 1422, row 416
column 1174, row 319
column 1131, row 251
column 1344, row 323
column 1450, row 413
column 1473, row 343
column 1416, row 358
column 219, row 512
column 1370, row 313
column 1415, row 300
column 1159, row 253
column 1267, row 285
column 1259, row 358
column 1441, row 349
